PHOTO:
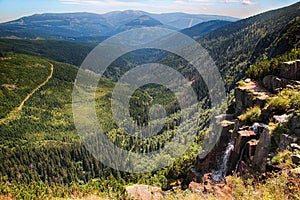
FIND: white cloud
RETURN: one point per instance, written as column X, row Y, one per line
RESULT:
column 248, row 2
column 139, row 3
column 163, row 6
column 103, row 3
column 244, row 2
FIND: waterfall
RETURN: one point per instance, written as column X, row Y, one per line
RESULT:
column 220, row 174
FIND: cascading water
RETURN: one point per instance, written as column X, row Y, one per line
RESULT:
column 220, row 174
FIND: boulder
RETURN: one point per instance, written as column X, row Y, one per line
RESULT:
column 251, row 147
column 242, row 138
column 296, row 159
column 295, row 125
column 261, row 152
column 290, row 70
column 273, row 83
column 286, row 141
column 144, row 192
column 282, row 118
column 295, row 146
column 267, row 82
column 196, row 187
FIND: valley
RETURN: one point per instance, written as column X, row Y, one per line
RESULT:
column 43, row 156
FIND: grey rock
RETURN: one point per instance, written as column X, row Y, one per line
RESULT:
column 296, row 159
column 248, row 95
column 295, row 123
column 295, row 146
column 273, row 83
column 282, row 118
column 261, row 152
column 290, row 70
column 297, row 132
column 286, row 141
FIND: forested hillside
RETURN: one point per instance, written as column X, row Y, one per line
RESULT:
column 237, row 45
column 61, row 51
column 41, row 154
column 204, row 28
column 40, row 142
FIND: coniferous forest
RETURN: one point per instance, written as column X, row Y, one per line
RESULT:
column 43, row 157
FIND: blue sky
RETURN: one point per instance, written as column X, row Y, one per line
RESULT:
column 13, row 9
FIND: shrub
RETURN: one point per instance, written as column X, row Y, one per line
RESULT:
column 270, row 67
column 259, row 70
column 295, row 100
column 284, row 157
column 279, row 104
column 251, row 115
column 279, row 130
column 287, row 99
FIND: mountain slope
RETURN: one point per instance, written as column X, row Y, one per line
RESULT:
column 177, row 20
column 236, row 46
column 203, row 28
column 183, row 20
column 61, row 51
column 139, row 22
column 78, row 26
column 57, row 26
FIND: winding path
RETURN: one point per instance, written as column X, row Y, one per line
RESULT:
column 38, row 87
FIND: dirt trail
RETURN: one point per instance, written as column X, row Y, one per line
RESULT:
column 37, row 88
column 15, row 114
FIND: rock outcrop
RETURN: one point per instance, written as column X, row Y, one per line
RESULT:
column 250, row 94
column 295, row 125
column 213, row 159
column 274, row 84
column 252, row 143
column 290, row 70
column 286, row 141
column 261, row 152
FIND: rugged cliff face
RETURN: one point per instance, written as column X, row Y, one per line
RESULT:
column 261, row 128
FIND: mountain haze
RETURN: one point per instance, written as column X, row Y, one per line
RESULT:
column 42, row 155
column 73, row 26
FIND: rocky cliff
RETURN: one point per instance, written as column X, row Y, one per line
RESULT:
column 262, row 126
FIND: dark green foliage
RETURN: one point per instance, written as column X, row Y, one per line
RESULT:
column 61, row 51
column 252, row 115
column 271, row 67
column 204, row 28
column 14, row 88
column 236, row 46
column 40, row 143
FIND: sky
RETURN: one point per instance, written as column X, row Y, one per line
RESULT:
column 14, row 9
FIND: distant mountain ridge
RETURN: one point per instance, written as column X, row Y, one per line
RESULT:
column 203, row 28
column 71, row 26
column 177, row 20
